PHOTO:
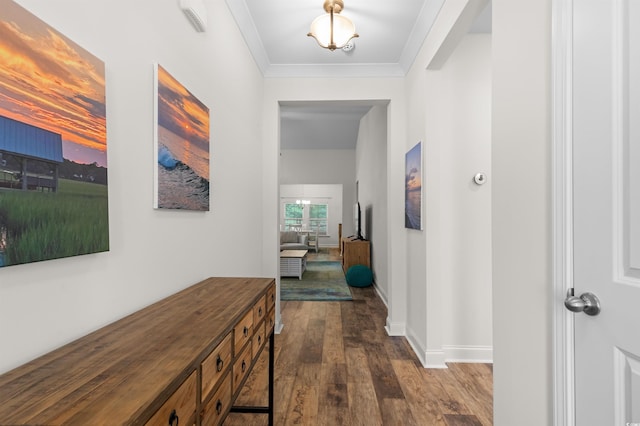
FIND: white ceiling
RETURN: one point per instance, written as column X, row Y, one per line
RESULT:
column 391, row 34
column 321, row 124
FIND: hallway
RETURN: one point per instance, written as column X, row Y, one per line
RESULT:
column 335, row 365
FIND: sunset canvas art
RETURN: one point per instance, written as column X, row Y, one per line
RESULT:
column 413, row 188
column 53, row 143
column 181, row 153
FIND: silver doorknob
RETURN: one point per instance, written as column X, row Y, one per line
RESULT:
column 586, row 302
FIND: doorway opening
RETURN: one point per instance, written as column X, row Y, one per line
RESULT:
column 325, row 148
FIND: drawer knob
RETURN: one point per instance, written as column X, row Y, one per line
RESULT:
column 245, row 331
column 174, row 420
column 244, row 365
column 219, row 364
column 260, row 311
column 259, row 340
column 219, row 407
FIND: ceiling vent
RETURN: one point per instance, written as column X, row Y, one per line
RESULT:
column 196, row 12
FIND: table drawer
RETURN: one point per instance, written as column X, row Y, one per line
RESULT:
column 260, row 309
column 180, row 408
column 271, row 322
column 243, row 332
column 259, row 339
column 271, row 298
column 215, row 365
column 214, row 410
column 241, row 368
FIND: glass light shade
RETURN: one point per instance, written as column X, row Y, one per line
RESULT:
column 343, row 31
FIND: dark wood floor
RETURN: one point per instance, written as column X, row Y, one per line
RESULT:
column 335, row 365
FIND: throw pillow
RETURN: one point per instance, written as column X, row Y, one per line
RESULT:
column 288, row 237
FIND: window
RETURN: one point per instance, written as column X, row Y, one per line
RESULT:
column 302, row 215
column 292, row 216
column 318, row 214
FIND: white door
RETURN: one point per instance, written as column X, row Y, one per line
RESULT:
column 606, row 209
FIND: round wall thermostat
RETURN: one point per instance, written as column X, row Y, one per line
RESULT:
column 480, row 178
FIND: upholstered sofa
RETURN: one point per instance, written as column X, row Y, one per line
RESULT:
column 299, row 240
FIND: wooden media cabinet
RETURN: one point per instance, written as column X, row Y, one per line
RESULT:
column 355, row 252
column 181, row 361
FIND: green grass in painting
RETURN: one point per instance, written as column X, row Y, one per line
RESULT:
column 43, row 225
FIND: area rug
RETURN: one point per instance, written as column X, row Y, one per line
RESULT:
column 322, row 280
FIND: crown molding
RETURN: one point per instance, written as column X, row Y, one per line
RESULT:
column 240, row 13
column 334, row 70
column 423, row 25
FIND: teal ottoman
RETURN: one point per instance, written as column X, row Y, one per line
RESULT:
column 359, row 276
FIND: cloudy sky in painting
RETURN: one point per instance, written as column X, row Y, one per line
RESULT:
column 180, row 112
column 50, row 82
column 413, row 178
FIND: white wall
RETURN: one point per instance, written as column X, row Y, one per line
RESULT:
column 464, row 81
column 371, row 174
column 331, row 194
column 324, row 166
column 153, row 253
column 522, row 226
column 449, row 263
column 423, row 252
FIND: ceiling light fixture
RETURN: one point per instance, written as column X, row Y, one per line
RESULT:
column 332, row 30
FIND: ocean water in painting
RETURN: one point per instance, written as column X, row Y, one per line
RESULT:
column 412, row 209
column 183, row 172
column 188, row 152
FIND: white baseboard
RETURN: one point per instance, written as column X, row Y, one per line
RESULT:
column 395, row 329
column 381, row 294
column 417, row 349
column 471, row 354
column 438, row 358
column 428, row 358
column 435, row 359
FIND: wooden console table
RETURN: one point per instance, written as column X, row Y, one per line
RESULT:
column 355, row 252
column 182, row 360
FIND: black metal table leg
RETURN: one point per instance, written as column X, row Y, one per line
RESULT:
column 269, row 409
column 271, row 370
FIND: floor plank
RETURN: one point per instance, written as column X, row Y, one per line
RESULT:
column 363, row 404
column 422, row 397
column 461, row 420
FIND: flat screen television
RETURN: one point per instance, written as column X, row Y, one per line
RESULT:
column 357, row 221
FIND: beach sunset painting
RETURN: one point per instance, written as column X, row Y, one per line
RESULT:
column 413, row 188
column 181, row 152
column 53, row 143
